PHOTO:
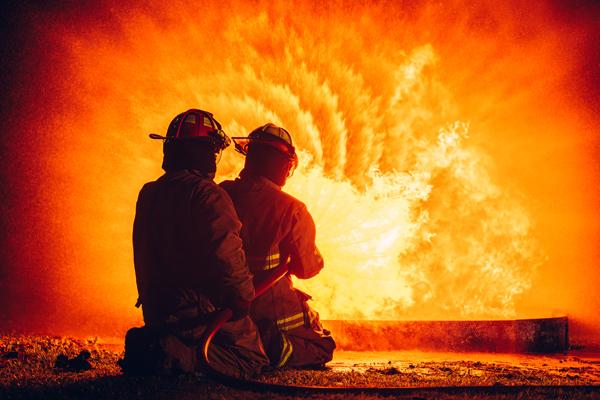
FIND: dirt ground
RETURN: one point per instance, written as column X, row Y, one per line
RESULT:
column 27, row 370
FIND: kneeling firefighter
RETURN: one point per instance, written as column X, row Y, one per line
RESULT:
column 277, row 228
column 189, row 261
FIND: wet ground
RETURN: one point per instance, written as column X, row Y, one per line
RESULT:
column 474, row 368
column 27, row 370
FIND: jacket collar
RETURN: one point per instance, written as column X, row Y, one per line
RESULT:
column 181, row 172
column 254, row 179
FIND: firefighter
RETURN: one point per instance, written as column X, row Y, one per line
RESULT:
column 277, row 228
column 189, row 260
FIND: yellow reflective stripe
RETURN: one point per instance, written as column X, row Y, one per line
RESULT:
column 288, row 327
column 286, row 351
column 282, row 321
column 268, row 262
column 272, row 261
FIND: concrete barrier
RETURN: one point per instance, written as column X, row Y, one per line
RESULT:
column 543, row 335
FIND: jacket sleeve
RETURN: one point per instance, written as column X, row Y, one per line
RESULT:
column 226, row 246
column 305, row 258
column 143, row 259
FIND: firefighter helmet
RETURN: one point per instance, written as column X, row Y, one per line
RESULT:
column 273, row 136
column 196, row 124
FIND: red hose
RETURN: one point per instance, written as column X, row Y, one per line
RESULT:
column 260, row 286
column 277, row 274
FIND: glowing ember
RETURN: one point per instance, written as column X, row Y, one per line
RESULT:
column 416, row 127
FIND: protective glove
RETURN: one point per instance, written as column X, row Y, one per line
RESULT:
column 240, row 308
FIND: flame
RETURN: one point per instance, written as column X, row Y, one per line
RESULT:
column 397, row 111
column 408, row 247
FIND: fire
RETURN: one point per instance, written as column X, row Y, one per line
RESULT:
column 407, row 247
column 403, row 116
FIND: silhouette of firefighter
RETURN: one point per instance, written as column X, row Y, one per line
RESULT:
column 189, row 261
column 277, row 228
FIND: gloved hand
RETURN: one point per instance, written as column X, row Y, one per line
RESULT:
column 240, row 308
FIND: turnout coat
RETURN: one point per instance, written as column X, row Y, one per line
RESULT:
column 189, row 261
column 277, row 228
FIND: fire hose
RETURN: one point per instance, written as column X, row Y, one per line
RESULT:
column 260, row 286
column 275, row 276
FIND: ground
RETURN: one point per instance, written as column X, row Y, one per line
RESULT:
column 27, row 370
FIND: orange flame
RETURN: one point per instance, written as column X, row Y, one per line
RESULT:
column 414, row 124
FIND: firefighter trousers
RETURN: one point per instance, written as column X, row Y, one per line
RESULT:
column 307, row 345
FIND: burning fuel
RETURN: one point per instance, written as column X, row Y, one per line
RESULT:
column 432, row 242
column 420, row 129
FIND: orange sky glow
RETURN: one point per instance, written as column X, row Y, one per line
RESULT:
column 449, row 151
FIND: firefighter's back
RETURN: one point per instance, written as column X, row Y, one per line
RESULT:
column 189, row 260
column 267, row 216
column 277, row 229
column 183, row 274
column 172, row 227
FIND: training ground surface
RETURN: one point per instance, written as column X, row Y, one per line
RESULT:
column 27, row 371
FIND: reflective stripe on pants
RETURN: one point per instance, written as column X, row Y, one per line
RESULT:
column 286, row 351
column 291, row 322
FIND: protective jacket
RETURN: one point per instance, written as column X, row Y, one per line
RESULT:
column 189, row 261
column 277, row 228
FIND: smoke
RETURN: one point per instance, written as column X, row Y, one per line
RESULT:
column 433, row 139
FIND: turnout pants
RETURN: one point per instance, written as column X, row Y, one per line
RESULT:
column 236, row 350
column 300, row 341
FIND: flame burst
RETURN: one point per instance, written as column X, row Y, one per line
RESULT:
column 390, row 107
column 439, row 241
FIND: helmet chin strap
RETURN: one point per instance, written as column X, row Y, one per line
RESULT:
column 290, row 169
column 240, row 148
